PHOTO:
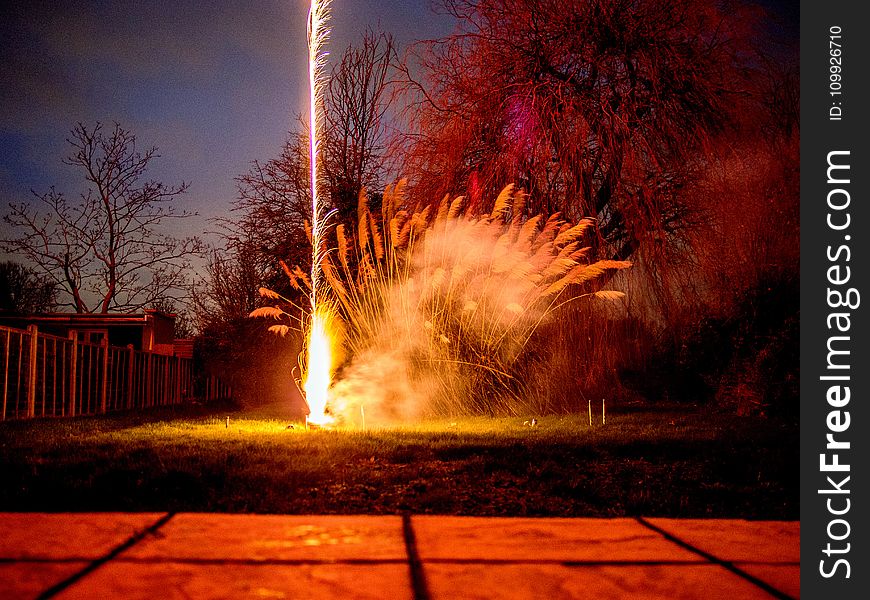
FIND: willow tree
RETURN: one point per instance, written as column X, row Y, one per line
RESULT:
column 596, row 107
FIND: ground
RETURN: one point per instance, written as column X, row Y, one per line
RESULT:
column 425, row 557
column 651, row 462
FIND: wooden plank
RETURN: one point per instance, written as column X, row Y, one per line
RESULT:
column 131, row 356
column 148, row 401
column 32, row 371
column 178, row 395
column 140, row 387
column 90, row 369
column 104, row 388
column 120, row 373
column 73, row 368
column 63, row 380
column 92, row 381
column 167, row 380
column 18, row 374
column 54, row 378
column 6, row 372
column 44, row 382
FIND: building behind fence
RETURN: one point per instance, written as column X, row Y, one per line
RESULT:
column 45, row 375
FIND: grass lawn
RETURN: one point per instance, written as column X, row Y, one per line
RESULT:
column 685, row 462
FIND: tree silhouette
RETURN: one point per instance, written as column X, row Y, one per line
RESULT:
column 105, row 250
column 274, row 197
column 22, row 291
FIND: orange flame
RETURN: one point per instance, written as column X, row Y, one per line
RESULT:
column 320, row 364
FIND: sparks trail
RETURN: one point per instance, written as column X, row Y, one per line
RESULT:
column 317, row 37
column 319, row 357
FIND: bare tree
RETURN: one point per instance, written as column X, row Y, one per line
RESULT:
column 252, row 360
column 230, row 290
column 22, row 291
column 272, row 208
column 357, row 133
column 105, row 250
column 274, row 197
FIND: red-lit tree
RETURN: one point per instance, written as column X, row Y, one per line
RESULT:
column 596, row 107
column 672, row 122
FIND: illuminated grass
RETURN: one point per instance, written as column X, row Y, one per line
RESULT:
column 650, row 463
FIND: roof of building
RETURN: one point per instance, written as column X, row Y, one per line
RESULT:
column 91, row 319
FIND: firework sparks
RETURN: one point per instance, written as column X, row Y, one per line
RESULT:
column 319, row 372
column 318, row 346
column 318, row 34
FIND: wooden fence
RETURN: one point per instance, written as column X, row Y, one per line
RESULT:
column 49, row 376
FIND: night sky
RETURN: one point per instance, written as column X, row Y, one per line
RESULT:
column 214, row 85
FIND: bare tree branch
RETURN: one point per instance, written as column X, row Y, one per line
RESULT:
column 105, row 251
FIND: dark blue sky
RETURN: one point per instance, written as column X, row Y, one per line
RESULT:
column 213, row 84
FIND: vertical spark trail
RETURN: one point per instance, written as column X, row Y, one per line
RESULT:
column 318, row 35
column 319, row 363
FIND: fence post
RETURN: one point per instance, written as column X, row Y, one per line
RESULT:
column 147, row 401
column 104, row 387
column 73, row 367
column 6, row 372
column 131, row 363
column 167, row 380
column 179, row 398
column 32, row 371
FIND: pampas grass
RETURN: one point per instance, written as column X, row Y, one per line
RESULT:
column 443, row 305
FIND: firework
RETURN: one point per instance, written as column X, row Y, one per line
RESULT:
column 318, row 342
